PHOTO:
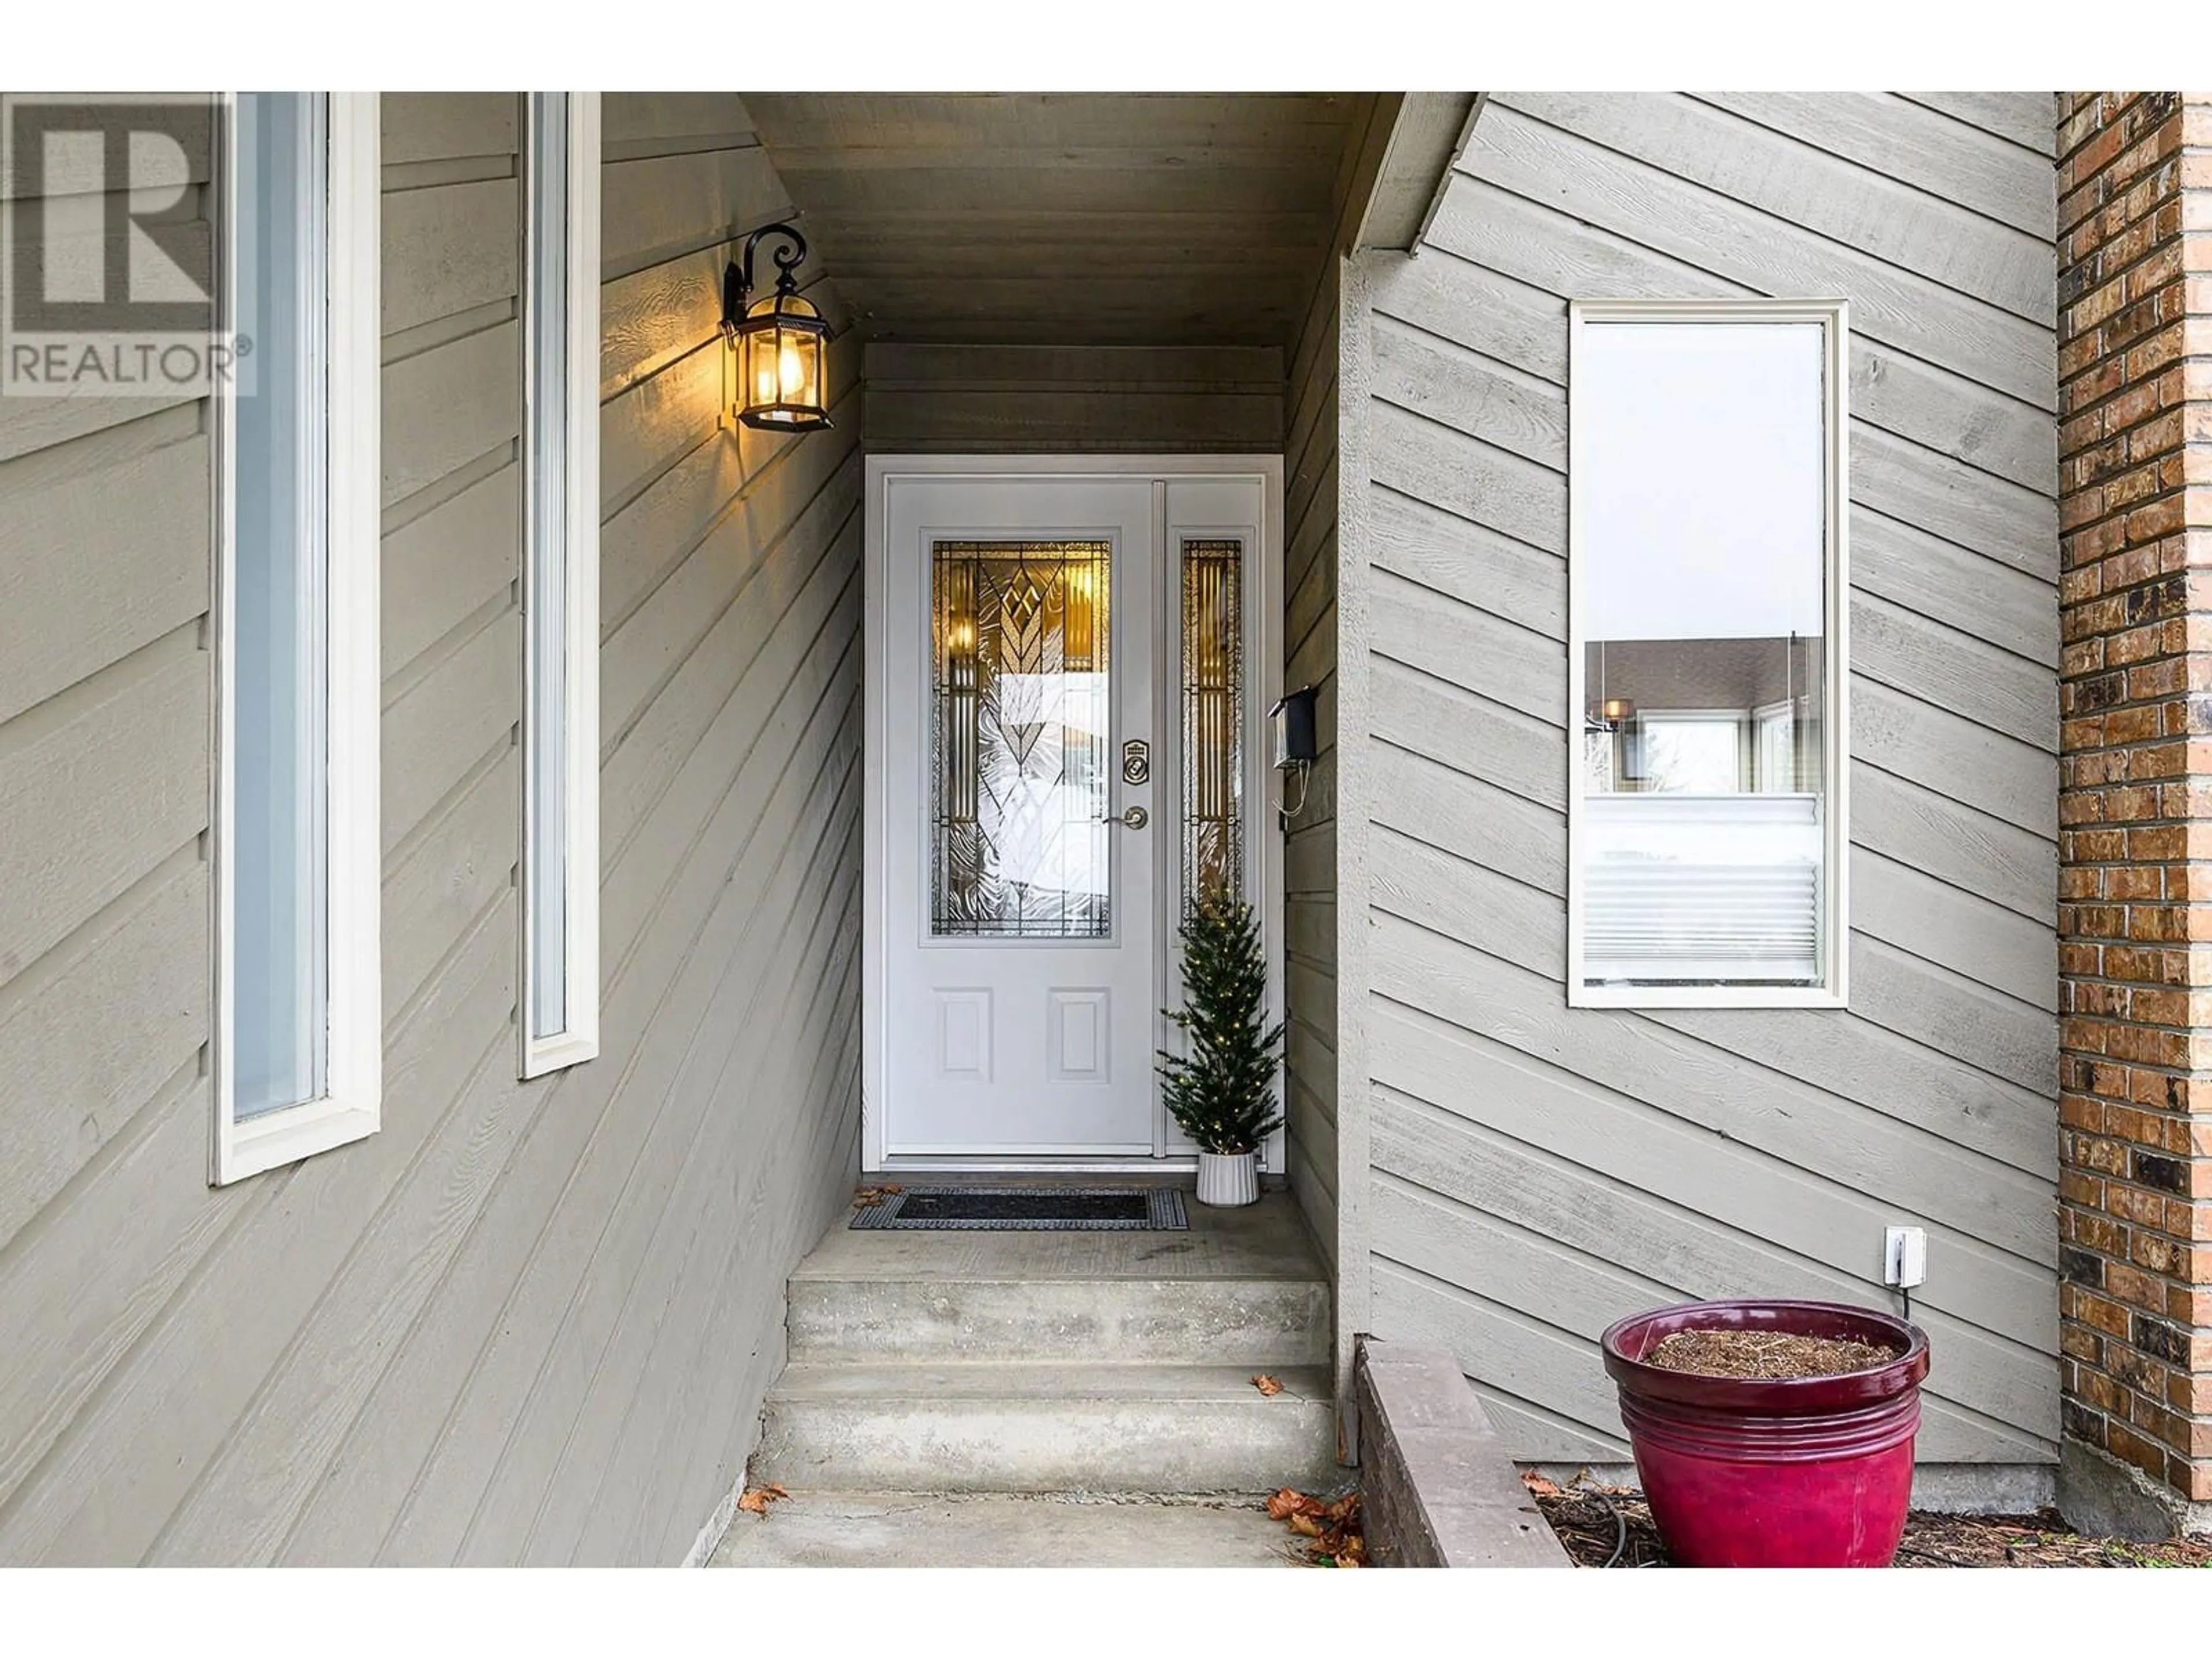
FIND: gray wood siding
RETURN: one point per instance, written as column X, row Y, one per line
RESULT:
column 1074, row 399
column 1310, row 490
column 1534, row 1171
column 526, row 1321
column 1312, row 496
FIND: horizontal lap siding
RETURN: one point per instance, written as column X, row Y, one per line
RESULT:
column 1537, row 1171
column 526, row 1321
column 991, row 400
column 1309, row 473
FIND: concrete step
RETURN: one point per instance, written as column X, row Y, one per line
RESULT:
column 1260, row 1322
column 1007, row 1530
column 1059, row 1428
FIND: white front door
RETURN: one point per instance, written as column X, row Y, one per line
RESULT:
column 1034, row 691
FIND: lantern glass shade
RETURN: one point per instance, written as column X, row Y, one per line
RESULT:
column 777, row 375
column 1615, row 710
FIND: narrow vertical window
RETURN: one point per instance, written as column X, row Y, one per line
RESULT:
column 560, row 1003
column 298, row 1054
column 1707, row 573
column 1212, row 719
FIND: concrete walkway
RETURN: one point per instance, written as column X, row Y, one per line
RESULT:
column 904, row 1529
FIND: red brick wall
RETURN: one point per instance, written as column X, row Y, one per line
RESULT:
column 2134, row 917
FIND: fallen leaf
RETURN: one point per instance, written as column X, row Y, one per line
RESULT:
column 757, row 1498
column 1267, row 1385
column 1541, row 1486
column 1332, row 1528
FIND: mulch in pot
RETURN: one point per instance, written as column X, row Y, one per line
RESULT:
column 1611, row 1526
column 1766, row 1356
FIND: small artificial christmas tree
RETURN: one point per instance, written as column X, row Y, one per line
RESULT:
column 1222, row 1091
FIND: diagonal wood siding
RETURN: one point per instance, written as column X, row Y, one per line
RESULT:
column 525, row 1322
column 1536, row 1171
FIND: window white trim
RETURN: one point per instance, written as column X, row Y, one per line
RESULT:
column 1833, row 316
column 351, row 1105
column 1766, row 719
column 579, row 555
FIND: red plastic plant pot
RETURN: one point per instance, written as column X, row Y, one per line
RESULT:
column 1813, row 1471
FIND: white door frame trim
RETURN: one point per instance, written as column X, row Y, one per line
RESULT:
column 1265, row 686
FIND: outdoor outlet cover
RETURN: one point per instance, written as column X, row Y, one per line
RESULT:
column 1905, row 1256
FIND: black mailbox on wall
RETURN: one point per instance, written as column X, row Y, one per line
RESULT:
column 1293, row 721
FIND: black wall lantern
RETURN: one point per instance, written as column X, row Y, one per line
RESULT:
column 774, row 365
column 1291, row 722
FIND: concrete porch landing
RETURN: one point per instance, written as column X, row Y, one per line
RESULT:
column 1241, row 1287
column 1057, row 1363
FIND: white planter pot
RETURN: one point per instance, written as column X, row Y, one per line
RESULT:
column 1228, row 1179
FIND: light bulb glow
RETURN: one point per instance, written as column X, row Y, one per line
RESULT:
column 775, row 373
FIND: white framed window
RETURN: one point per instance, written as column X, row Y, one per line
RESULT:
column 1774, row 727
column 298, row 1054
column 560, row 998
column 1708, row 654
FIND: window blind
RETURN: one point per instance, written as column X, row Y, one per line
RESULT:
column 1690, row 889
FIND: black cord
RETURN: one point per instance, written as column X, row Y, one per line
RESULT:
column 1619, row 1529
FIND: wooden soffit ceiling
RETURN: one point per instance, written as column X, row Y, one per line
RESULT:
column 1068, row 218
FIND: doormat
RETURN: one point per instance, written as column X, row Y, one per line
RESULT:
column 1030, row 1210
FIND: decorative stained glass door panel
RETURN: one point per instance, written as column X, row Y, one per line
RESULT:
column 1209, row 618
column 1021, row 964
column 1021, row 705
